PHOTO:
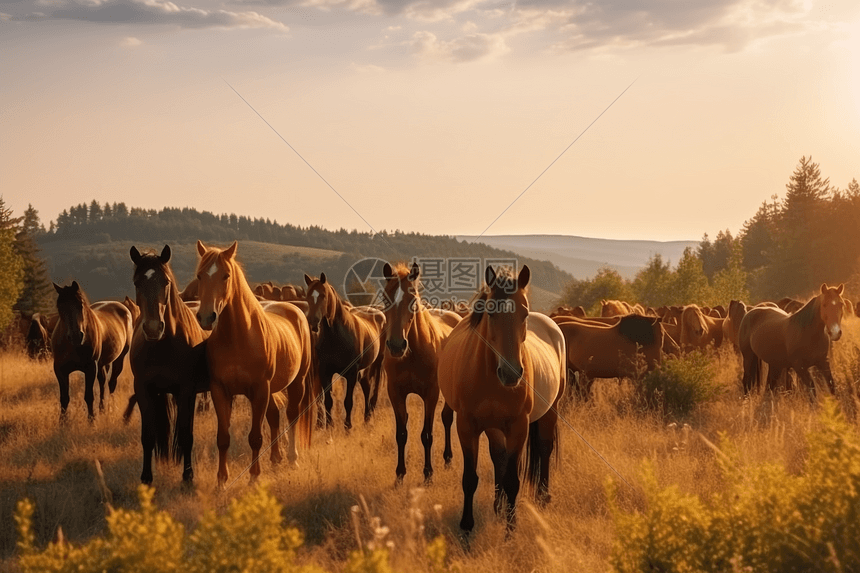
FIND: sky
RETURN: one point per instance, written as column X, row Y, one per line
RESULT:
column 625, row 119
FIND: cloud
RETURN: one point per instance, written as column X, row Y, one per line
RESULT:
column 130, row 42
column 367, row 68
column 161, row 12
column 467, row 48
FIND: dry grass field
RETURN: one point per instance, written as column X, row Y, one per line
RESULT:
column 55, row 467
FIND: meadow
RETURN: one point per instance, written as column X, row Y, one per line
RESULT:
column 343, row 497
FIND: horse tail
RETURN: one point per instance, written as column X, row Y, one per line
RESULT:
column 312, row 392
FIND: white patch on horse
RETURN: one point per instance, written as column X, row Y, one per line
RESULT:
column 148, row 274
column 212, row 270
column 398, row 296
column 316, row 296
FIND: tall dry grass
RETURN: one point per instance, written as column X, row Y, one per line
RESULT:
column 607, row 438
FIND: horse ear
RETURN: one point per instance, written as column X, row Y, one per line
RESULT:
column 322, row 278
column 201, row 248
column 135, row 254
column 490, row 276
column 308, row 280
column 57, row 287
column 840, row 288
column 387, row 271
column 523, row 279
column 230, row 251
column 414, row 273
column 165, row 255
column 75, row 286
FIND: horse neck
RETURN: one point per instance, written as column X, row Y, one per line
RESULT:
column 424, row 330
column 178, row 313
column 243, row 308
column 336, row 312
column 809, row 315
column 91, row 328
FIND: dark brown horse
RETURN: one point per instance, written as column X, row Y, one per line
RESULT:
column 348, row 343
column 91, row 338
column 797, row 341
column 595, row 350
column 502, row 370
column 415, row 336
column 168, row 356
column 38, row 338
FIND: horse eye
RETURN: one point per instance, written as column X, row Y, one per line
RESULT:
column 226, row 276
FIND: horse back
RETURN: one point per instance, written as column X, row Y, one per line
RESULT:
column 546, row 348
column 115, row 325
column 288, row 335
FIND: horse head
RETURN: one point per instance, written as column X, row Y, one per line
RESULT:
column 216, row 286
column 71, row 303
column 152, row 283
column 830, row 308
column 506, row 310
column 402, row 302
column 321, row 299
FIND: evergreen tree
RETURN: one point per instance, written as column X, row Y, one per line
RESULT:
column 730, row 283
column 95, row 211
column 36, row 295
column 10, row 262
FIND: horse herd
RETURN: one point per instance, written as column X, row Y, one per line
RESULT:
column 500, row 367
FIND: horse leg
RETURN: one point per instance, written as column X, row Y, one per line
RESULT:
column 63, row 381
column 116, row 369
column 377, row 376
column 147, row 434
column 469, row 441
column 273, row 417
column 447, row 421
column 547, row 430
column 751, row 368
column 326, row 375
column 351, row 378
column 89, row 383
column 364, row 382
column 516, row 439
column 223, row 404
column 499, row 455
column 824, row 368
column 401, row 416
column 808, row 382
column 185, row 431
column 102, row 375
column 260, row 399
column 431, row 400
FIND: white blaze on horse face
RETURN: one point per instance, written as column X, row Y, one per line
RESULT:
column 148, row 274
column 398, row 296
column 316, row 296
column 212, row 270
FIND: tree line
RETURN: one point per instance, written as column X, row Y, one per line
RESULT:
column 787, row 248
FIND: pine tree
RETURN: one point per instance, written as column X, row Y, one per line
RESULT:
column 10, row 262
column 95, row 211
column 36, row 295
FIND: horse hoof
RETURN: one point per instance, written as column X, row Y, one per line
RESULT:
column 398, row 481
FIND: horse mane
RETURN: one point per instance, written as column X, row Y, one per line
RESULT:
column 806, row 314
column 503, row 289
column 637, row 328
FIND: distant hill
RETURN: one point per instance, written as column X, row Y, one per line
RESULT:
column 583, row 256
column 94, row 250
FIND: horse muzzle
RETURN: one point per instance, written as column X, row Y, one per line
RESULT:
column 153, row 330
column 397, row 348
column 834, row 333
column 508, row 375
column 207, row 322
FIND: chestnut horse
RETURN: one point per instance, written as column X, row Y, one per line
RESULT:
column 91, row 338
column 797, row 341
column 256, row 353
column 502, row 370
column 38, row 337
column 167, row 356
column 699, row 329
column 596, row 350
column 348, row 343
column 415, row 336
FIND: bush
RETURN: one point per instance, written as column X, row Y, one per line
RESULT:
column 765, row 520
column 680, row 384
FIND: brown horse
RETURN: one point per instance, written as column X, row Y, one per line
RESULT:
column 565, row 310
column 91, row 338
column 415, row 337
column 502, row 370
column 167, row 356
column 348, row 343
column 789, row 305
column 255, row 353
column 596, row 350
column 698, row 329
column 614, row 308
column 190, row 292
column 797, row 341
column 38, row 338
column 132, row 308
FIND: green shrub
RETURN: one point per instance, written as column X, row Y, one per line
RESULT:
column 680, row 384
column 765, row 520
